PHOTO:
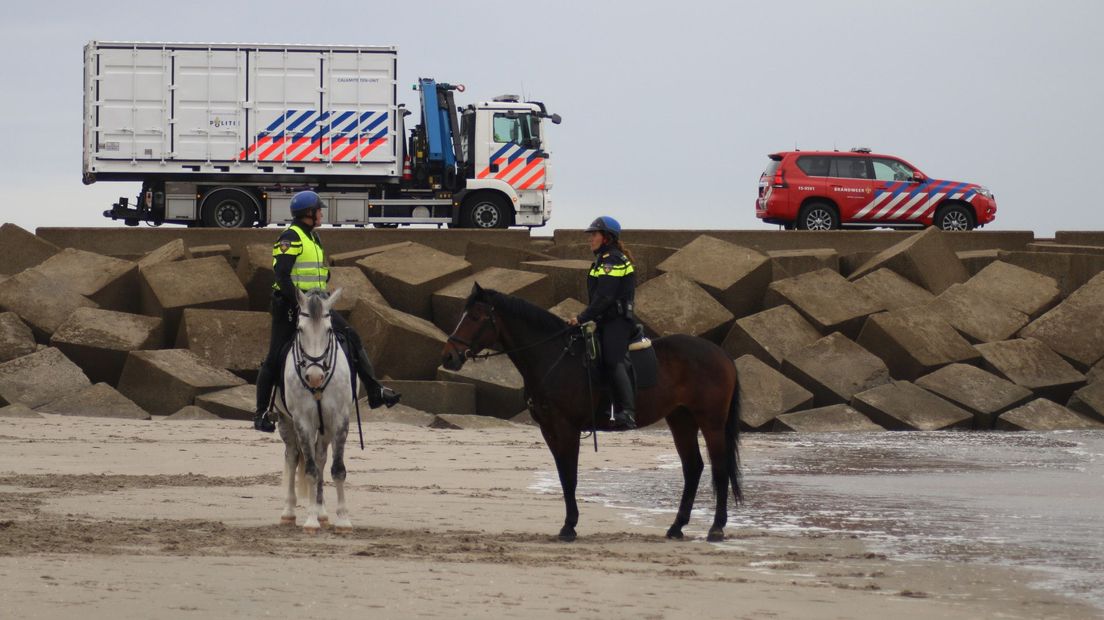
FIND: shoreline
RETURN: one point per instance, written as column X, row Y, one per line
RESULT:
column 104, row 513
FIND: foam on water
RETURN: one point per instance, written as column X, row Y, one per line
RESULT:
column 1032, row 500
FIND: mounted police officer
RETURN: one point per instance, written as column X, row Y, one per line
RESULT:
column 611, row 286
column 299, row 262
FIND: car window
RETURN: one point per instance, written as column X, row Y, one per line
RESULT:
column 517, row 130
column 814, row 165
column 771, row 167
column 850, row 167
column 891, row 170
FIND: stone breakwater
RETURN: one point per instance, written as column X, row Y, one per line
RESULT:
column 835, row 331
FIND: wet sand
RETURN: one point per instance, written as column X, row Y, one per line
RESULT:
column 109, row 519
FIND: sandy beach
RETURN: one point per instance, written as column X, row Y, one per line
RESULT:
column 163, row 519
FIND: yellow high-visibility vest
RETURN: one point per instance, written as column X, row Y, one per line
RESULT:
column 310, row 271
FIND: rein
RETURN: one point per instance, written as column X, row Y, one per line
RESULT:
column 483, row 327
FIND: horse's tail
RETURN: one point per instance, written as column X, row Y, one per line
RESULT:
column 732, row 444
column 301, row 486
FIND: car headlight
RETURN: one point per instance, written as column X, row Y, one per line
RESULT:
column 984, row 191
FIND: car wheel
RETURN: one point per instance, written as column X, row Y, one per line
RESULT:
column 817, row 216
column 228, row 209
column 485, row 211
column 954, row 217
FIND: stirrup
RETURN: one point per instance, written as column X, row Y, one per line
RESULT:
column 263, row 422
column 623, row 421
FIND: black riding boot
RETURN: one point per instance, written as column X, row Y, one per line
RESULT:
column 261, row 420
column 378, row 395
column 624, row 417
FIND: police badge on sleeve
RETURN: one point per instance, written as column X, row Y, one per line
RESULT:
column 285, row 245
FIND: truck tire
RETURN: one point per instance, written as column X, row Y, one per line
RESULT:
column 229, row 208
column 817, row 216
column 954, row 217
column 485, row 211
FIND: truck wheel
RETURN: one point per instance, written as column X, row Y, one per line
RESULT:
column 485, row 211
column 229, row 208
column 954, row 217
column 817, row 216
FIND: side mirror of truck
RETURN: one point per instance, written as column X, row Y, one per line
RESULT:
column 555, row 118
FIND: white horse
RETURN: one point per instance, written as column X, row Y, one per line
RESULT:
column 314, row 406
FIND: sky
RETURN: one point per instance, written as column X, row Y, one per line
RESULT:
column 669, row 108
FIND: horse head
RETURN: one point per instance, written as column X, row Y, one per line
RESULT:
column 476, row 330
column 315, row 329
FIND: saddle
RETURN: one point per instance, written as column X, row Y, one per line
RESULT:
column 640, row 359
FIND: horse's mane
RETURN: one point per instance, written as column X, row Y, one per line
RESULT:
column 314, row 304
column 530, row 313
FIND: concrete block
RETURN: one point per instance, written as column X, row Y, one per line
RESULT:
column 790, row 263
column 172, row 251
column 191, row 412
column 99, row 340
column 766, row 393
column 830, row 419
column 976, row 316
column 913, row 342
column 161, row 382
column 902, row 406
column 355, row 286
column 452, row 421
column 110, row 282
column 167, row 289
column 218, row 249
column 236, row 340
column 399, row 414
column 982, row 393
column 736, row 276
column 484, row 256
column 1071, row 271
column 16, row 339
column 1089, row 401
column 349, row 259
column 1096, row 373
column 892, row 291
column 569, row 277
column 1074, row 328
column 22, row 249
column 499, row 388
column 19, row 410
column 1017, row 288
column 770, row 335
column 1064, row 248
column 976, row 260
column 448, row 303
column 96, row 401
column 40, row 302
column 834, row 369
column 39, row 378
column 568, row 308
column 408, row 276
column 254, row 271
column 400, row 345
column 826, row 299
column 1033, row 365
column 1045, row 415
column 437, row 396
column 924, row 258
column 235, row 403
column 671, row 304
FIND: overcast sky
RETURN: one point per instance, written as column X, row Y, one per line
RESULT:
column 669, row 108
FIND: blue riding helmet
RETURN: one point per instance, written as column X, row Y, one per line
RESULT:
column 305, row 201
column 607, row 225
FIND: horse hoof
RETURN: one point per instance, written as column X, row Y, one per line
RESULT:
column 323, row 521
column 287, row 520
column 343, row 529
column 675, row 534
column 715, row 535
column 567, row 535
column 311, row 531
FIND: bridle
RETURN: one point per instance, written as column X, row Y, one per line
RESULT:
column 326, row 361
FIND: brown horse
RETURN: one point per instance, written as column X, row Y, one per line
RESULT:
column 695, row 390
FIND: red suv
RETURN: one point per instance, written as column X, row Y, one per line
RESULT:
column 822, row 190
